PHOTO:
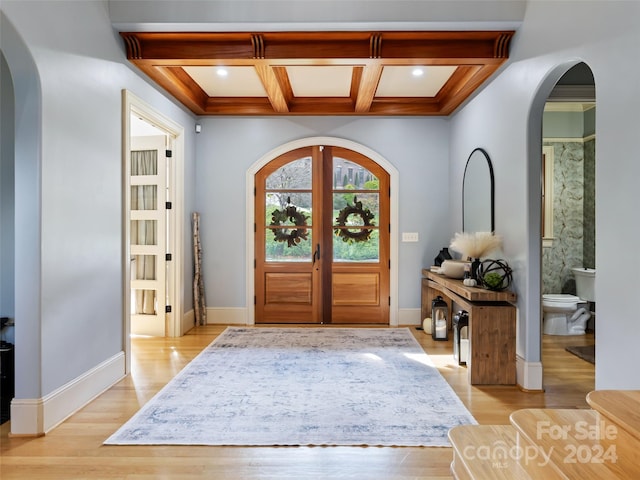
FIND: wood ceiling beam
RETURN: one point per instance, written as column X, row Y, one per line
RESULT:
column 238, row 106
column 405, row 106
column 356, row 78
column 272, row 86
column 161, row 55
column 317, row 45
column 464, row 81
column 322, row 106
column 176, row 81
column 368, row 86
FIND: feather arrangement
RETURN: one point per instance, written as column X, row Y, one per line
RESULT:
column 476, row 244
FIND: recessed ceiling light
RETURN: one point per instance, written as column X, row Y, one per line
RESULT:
column 222, row 72
column 417, row 72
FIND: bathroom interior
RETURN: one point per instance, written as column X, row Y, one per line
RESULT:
column 568, row 244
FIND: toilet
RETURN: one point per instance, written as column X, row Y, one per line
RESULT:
column 566, row 314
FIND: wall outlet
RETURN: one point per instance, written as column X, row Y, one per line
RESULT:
column 409, row 236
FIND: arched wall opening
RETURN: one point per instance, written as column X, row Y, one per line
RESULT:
column 535, row 173
column 27, row 140
column 7, row 242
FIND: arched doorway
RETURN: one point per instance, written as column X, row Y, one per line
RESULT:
column 322, row 238
column 330, row 145
column 564, row 228
column 569, row 138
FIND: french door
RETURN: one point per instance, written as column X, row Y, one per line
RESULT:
column 148, row 235
column 322, row 238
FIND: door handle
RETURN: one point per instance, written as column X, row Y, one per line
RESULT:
column 316, row 254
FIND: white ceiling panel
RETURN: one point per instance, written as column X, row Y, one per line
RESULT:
column 399, row 81
column 320, row 81
column 238, row 82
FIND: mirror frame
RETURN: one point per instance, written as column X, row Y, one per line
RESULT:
column 491, row 179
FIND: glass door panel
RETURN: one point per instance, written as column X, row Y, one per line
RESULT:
column 144, row 197
column 289, row 226
column 349, row 175
column 356, row 226
column 294, row 175
column 147, row 204
column 145, row 267
column 144, row 232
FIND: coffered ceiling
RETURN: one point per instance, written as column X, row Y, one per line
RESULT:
column 319, row 73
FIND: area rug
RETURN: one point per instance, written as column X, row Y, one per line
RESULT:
column 585, row 352
column 302, row 386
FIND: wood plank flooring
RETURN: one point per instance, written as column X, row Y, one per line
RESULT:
column 74, row 449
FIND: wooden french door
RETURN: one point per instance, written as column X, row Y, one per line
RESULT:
column 322, row 238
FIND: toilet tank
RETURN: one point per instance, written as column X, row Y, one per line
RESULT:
column 585, row 283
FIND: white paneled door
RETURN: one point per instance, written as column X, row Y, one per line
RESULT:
column 148, row 244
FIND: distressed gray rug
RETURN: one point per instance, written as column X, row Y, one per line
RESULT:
column 302, row 386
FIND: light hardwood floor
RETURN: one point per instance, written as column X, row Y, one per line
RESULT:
column 74, row 449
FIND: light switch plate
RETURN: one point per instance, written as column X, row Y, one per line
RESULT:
column 409, row 236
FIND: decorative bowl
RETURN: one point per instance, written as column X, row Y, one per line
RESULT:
column 453, row 268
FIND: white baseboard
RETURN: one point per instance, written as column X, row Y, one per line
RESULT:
column 227, row 316
column 238, row 316
column 188, row 321
column 409, row 316
column 34, row 417
column 529, row 374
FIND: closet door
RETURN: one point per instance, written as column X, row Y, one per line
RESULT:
column 148, row 235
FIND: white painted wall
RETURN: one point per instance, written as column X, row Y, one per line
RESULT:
column 505, row 118
column 68, row 76
column 7, row 199
column 273, row 15
column 417, row 147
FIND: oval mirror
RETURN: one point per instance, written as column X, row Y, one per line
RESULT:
column 478, row 193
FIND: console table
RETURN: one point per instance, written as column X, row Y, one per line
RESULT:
column 492, row 326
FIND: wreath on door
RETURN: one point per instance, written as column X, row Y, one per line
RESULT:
column 342, row 220
column 299, row 219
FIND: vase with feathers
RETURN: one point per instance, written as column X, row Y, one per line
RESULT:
column 475, row 244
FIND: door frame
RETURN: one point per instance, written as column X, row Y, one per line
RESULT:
column 175, row 278
column 394, row 183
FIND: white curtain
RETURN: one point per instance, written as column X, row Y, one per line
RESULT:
column 144, row 232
